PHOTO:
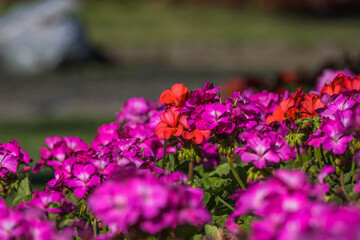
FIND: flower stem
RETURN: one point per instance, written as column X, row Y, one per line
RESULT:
column 238, row 179
column 319, row 157
column 225, row 203
column 346, row 195
column 95, row 227
column 164, row 154
column 352, row 166
column 299, row 155
column 191, row 171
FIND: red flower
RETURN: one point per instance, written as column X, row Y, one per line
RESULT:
column 352, row 83
column 335, row 86
column 176, row 96
column 310, row 104
column 284, row 111
column 170, row 124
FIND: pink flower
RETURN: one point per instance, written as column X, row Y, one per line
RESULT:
column 83, row 179
column 140, row 201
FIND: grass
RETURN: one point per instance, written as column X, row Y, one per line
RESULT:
column 140, row 23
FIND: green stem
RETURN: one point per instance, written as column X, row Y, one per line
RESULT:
column 82, row 209
column 352, row 166
column 322, row 154
column 319, row 157
column 225, row 203
column 95, row 227
column 164, row 153
column 299, row 155
column 345, row 193
column 238, row 179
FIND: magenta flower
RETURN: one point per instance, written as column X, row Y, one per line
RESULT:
column 14, row 149
column 199, row 98
column 83, row 179
column 28, row 222
column 8, row 162
column 325, row 172
column 59, row 149
column 140, row 201
column 217, row 117
column 266, row 101
column 76, row 144
column 10, row 223
column 334, row 133
column 107, row 133
column 280, row 146
column 340, row 103
column 287, row 206
column 316, row 139
column 42, row 200
column 257, row 151
column 334, row 139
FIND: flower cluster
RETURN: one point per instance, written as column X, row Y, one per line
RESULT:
column 11, row 156
column 139, row 118
column 174, row 122
column 59, row 149
column 117, row 186
column 14, row 162
column 290, row 207
column 335, row 106
column 128, row 143
column 82, row 170
column 340, row 99
column 139, row 201
column 265, row 147
column 30, row 222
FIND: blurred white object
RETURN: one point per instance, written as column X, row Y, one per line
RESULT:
column 39, row 36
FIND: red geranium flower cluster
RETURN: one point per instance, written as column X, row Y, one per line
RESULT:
column 173, row 122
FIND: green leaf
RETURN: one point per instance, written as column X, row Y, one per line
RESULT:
column 221, row 170
column 24, row 192
column 220, row 221
column 206, row 197
column 245, row 222
column 211, row 232
column 67, row 220
column 216, row 184
column 347, row 177
column 349, row 187
column 73, row 199
column 198, row 237
column 185, row 232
